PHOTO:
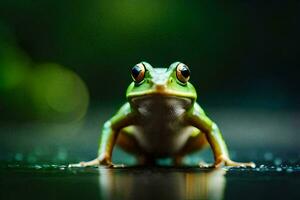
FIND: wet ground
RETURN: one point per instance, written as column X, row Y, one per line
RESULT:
column 33, row 159
column 60, row 182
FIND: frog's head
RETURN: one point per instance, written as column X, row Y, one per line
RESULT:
column 169, row 82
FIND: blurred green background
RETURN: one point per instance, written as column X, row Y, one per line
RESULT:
column 65, row 66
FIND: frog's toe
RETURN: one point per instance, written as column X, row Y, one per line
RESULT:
column 203, row 164
column 117, row 166
column 92, row 163
column 84, row 164
column 231, row 163
column 248, row 164
column 225, row 161
column 74, row 165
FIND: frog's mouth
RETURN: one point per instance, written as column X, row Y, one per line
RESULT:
column 161, row 93
column 162, row 101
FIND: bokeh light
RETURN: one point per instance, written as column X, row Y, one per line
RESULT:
column 58, row 93
column 31, row 91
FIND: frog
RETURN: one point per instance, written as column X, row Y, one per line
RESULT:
column 161, row 118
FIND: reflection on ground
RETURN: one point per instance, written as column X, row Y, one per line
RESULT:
column 50, row 181
column 161, row 184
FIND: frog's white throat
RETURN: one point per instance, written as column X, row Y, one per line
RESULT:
column 159, row 106
column 160, row 127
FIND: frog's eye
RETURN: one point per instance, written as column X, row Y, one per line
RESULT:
column 138, row 72
column 183, row 73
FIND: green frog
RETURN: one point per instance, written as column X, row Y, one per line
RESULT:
column 161, row 118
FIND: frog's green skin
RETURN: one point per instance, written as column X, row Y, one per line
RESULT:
column 161, row 118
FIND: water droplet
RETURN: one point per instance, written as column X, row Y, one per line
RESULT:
column 278, row 169
column 277, row 161
column 37, row 167
column 289, row 170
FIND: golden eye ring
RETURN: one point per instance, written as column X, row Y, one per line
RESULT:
column 138, row 73
column 183, row 73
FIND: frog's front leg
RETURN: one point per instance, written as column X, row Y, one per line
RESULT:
column 197, row 118
column 109, row 135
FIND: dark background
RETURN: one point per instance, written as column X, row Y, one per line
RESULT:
column 65, row 66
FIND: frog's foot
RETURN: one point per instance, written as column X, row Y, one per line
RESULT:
column 96, row 163
column 203, row 164
column 92, row 163
column 225, row 161
column 102, row 160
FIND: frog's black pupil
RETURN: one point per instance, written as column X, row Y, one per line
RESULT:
column 185, row 72
column 136, row 71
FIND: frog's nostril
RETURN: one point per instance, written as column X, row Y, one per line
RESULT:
column 160, row 87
